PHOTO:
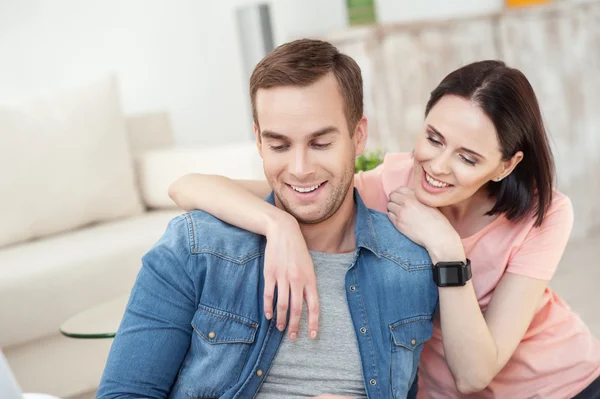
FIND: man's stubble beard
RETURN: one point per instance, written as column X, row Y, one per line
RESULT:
column 329, row 207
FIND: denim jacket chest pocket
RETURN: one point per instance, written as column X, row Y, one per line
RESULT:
column 218, row 352
column 407, row 339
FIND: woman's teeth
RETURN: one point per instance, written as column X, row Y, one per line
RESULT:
column 306, row 189
column 435, row 183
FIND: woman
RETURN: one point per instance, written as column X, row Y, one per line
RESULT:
column 478, row 186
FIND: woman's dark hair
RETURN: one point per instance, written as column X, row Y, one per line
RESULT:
column 507, row 98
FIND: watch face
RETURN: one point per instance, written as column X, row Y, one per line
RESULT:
column 449, row 275
column 452, row 274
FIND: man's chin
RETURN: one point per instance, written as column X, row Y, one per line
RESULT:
column 304, row 213
column 307, row 217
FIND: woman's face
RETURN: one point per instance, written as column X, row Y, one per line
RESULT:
column 456, row 154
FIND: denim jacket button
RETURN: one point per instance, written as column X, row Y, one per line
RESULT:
column 413, row 342
column 363, row 330
column 259, row 373
column 372, row 382
column 352, row 288
column 212, row 335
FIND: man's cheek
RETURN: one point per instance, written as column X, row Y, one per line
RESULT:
column 271, row 169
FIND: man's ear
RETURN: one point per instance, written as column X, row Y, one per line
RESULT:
column 361, row 133
column 258, row 139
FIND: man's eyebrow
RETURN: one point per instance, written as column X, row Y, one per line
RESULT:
column 272, row 135
column 462, row 148
column 324, row 131
column 278, row 136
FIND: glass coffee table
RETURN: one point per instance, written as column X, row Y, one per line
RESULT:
column 101, row 321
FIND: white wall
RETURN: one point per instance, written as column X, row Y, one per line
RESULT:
column 290, row 20
column 392, row 11
column 181, row 56
column 293, row 19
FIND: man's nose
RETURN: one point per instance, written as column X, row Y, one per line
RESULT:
column 301, row 166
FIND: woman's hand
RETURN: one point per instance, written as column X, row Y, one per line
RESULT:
column 424, row 225
column 289, row 267
column 288, row 264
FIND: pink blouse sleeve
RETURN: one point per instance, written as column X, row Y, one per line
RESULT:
column 370, row 187
column 543, row 246
column 375, row 186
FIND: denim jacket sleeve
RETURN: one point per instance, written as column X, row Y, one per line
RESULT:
column 154, row 335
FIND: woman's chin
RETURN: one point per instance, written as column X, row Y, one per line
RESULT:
column 431, row 200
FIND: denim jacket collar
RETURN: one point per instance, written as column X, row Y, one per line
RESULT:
column 363, row 226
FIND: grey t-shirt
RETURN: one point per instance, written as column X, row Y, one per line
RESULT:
column 331, row 363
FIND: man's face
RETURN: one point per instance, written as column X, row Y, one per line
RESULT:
column 308, row 153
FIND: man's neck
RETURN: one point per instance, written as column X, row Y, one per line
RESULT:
column 336, row 234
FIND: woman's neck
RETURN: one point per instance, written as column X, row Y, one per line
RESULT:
column 470, row 215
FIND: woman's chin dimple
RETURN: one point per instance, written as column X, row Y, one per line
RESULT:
column 433, row 200
column 425, row 199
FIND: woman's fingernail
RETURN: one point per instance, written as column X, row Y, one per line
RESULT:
column 293, row 336
column 280, row 327
column 313, row 334
column 268, row 315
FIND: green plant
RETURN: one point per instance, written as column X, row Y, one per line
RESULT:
column 361, row 12
column 368, row 161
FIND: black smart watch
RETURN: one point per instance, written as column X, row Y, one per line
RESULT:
column 452, row 274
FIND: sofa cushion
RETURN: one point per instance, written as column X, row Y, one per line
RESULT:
column 157, row 169
column 43, row 283
column 65, row 163
column 149, row 131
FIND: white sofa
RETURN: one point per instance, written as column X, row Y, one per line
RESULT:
column 83, row 196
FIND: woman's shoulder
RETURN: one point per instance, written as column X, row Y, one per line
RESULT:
column 561, row 203
column 397, row 171
column 538, row 250
column 560, row 211
column 398, row 160
column 559, row 216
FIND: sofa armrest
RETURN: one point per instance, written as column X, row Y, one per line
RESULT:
column 158, row 169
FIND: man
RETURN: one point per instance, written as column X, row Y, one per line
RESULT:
column 195, row 325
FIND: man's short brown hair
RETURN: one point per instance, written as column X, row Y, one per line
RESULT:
column 303, row 62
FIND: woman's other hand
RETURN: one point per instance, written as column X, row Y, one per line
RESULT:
column 424, row 225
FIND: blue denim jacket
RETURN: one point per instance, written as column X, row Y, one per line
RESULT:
column 194, row 326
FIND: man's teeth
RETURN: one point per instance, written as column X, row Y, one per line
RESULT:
column 306, row 189
column 434, row 182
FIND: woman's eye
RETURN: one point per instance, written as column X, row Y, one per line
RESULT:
column 468, row 161
column 321, row 146
column 433, row 141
